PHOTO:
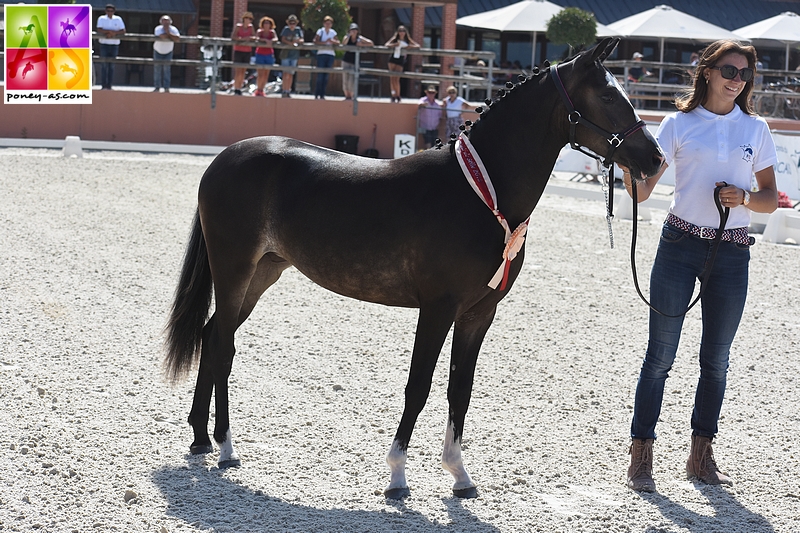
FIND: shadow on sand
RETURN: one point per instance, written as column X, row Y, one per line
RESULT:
column 729, row 515
column 205, row 499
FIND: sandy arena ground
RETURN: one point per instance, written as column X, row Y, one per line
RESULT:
column 92, row 438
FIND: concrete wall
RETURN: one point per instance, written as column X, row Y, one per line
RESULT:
column 182, row 118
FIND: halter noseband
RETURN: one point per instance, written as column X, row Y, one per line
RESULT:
column 575, row 118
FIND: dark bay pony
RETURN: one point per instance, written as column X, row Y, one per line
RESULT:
column 409, row 232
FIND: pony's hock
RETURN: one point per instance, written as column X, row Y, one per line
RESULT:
column 372, row 230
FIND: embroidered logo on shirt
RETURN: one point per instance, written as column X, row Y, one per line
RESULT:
column 747, row 153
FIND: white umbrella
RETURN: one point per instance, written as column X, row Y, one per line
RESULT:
column 664, row 22
column 784, row 28
column 529, row 16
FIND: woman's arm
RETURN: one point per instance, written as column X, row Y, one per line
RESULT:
column 363, row 41
column 765, row 199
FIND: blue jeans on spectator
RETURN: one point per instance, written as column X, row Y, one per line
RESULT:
column 679, row 262
column 162, row 74
column 323, row 61
column 107, row 69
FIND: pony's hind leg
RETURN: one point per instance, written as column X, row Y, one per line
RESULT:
column 267, row 272
column 432, row 327
column 468, row 335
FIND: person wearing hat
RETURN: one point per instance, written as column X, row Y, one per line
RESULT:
column 637, row 73
column 167, row 35
column 430, row 113
column 243, row 31
column 109, row 26
column 291, row 35
column 353, row 38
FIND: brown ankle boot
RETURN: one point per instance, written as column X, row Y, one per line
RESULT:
column 701, row 464
column 640, row 472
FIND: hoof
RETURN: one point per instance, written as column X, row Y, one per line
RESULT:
column 469, row 492
column 397, row 494
column 197, row 449
column 230, row 463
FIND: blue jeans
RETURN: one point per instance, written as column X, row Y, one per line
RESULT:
column 679, row 262
column 107, row 69
column 323, row 61
column 162, row 74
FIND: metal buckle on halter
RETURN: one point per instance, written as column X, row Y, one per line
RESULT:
column 615, row 140
column 708, row 233
column 577, row 116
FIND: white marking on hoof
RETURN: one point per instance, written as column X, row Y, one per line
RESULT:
column 227, row 454
column 396, row 459
column 452, row 462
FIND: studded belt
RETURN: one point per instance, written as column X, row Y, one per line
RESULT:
column 737, row 235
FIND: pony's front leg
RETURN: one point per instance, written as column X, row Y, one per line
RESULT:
column 468, row 336
column 432, row 327
column 396, row 459
column 452, row 462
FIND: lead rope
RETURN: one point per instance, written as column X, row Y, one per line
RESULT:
column 723, row 219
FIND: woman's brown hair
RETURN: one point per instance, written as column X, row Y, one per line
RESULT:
column 696, row 95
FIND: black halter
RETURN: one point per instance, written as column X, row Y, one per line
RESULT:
column 614, row 139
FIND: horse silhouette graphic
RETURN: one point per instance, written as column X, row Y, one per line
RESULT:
column 28, row 68
column 66, row 68
column 68, row 28
column 747, row 152
column 28, row 29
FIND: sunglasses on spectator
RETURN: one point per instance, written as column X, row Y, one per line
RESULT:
column 729, row 72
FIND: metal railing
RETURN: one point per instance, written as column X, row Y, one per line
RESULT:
column 214, row 46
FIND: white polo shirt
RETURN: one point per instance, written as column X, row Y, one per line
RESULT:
column 705, row 148
column 112, row 24
column 165, row 46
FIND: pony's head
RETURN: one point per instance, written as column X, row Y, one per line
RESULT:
column 600, row 115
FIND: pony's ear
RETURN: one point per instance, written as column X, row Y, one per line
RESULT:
column 604, row 49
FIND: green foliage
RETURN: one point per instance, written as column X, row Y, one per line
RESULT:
column 315, row 10
column 572, row 26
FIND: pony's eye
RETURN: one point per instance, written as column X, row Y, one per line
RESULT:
column 607, row 98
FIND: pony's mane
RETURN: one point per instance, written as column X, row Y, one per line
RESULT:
column 489, row 103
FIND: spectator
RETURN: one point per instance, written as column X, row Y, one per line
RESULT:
column 110, row 26
column 397, row 61
column 430, row 113
column 265, row 53
column 637, row 73
column 694, row 59
column 244, row 31
column 453, row 105
column 167, row 35
column 326, row 36
column 291, row 35
column 353, row 38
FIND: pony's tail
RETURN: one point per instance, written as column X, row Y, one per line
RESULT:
column 184, row 330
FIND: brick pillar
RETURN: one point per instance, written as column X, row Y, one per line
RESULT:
column 217, row 14
column 418, row 34
column 239, row 7
column 192, row 50
column 449, row 15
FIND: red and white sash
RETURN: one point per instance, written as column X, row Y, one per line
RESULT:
column 478, row 178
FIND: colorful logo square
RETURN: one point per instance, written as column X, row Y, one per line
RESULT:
column 26, row 26
column 48, row 53
column 69, row 26
column 26, row 69
column 69, row 69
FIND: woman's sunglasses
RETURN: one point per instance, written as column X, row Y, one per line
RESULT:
column 729, row 72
